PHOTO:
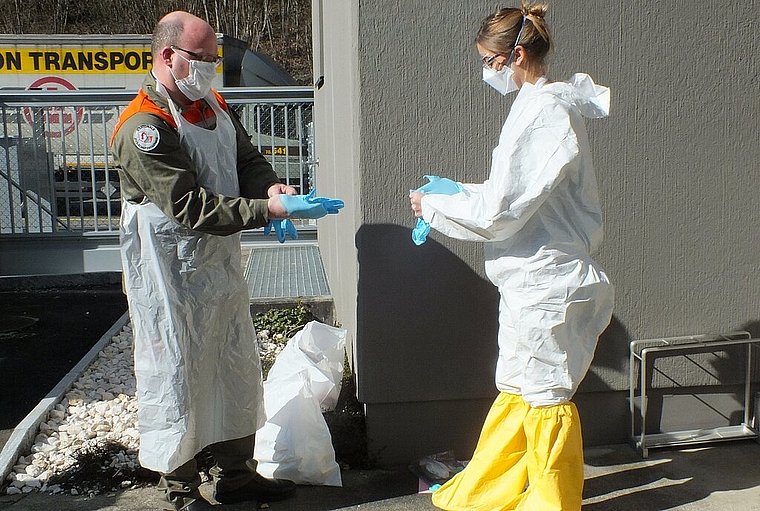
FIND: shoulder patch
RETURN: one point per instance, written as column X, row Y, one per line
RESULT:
column 146, row 137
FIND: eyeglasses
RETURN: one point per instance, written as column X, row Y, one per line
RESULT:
column 488, row 59
column 215, row 59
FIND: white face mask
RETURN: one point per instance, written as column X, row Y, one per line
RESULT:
column 197, row 84
column 500, row 80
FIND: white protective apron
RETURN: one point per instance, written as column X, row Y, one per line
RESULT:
column 196, row 359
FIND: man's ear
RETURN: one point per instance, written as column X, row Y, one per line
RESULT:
column 166, row 55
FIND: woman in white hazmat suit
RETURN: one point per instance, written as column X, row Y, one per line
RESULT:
column 539, row 216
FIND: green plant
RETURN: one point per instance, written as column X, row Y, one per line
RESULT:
column 284, row 322
column 275, row 327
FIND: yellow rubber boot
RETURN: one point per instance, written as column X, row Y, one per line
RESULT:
column 495, row 478
column 554, row 459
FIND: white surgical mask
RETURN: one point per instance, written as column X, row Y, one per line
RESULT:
column 197, row 84
column 502, row 80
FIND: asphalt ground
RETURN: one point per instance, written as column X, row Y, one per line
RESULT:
column 44, row 333
column 718, row 477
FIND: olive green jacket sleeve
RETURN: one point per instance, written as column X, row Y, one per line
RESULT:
column 166, row 176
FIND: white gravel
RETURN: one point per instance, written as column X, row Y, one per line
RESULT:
column 100, row 407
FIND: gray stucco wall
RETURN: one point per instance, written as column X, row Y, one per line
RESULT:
column 676, row 164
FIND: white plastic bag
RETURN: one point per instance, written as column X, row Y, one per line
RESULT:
column 320, row 350
column 304, row 381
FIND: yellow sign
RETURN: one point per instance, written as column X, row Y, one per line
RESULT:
column 281, row 150
column 75, row 60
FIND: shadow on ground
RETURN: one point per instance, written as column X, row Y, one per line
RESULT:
column 721, row 477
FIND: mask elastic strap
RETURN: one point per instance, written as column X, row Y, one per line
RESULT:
column 180, row 56
column 517, row 41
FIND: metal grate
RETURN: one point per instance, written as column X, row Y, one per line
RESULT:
column 56, row 172
column 285, row 272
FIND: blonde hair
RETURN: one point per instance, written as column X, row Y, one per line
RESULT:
column 499, row 32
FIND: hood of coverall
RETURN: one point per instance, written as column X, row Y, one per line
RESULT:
column 592, row 100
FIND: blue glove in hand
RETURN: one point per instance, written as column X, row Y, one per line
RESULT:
column 440, row 185
column 308, row 206
column 436, row 184
column 420, row 232
column 281, row 228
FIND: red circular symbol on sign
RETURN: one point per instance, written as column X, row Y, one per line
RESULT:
column 57, row 120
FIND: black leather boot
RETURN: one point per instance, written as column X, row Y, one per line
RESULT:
column 258, row 488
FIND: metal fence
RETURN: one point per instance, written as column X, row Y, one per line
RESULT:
column 56, row 173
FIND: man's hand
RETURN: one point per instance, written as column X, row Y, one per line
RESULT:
column 276, row 209
column 279, row 188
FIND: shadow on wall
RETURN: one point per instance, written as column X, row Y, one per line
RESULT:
column 603, row 408
column 753, row 327
column 427, row 331
column 426, row 321
column 611, row 356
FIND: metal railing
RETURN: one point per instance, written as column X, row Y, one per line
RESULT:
column 57, row 176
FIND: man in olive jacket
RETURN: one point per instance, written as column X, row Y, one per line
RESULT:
column 190, row 181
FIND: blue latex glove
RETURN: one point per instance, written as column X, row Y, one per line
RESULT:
column 440, row 185
column 420, row 232
column 436, row 184
column 308, row 206
column 281, row 228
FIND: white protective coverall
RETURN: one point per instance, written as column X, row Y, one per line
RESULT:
column 540, row 217
column 196, row 359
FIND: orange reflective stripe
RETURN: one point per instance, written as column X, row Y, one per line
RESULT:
column 220, row 99
column 142, row 103
column 198, row 112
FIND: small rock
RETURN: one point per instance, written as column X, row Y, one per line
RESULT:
column 33, row 471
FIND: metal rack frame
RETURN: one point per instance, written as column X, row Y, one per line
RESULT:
column 641, row 350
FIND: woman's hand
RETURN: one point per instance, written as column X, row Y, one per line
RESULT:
column 416, row 200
